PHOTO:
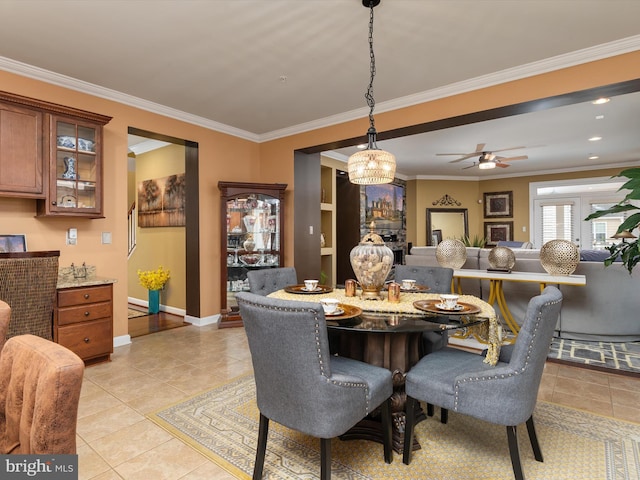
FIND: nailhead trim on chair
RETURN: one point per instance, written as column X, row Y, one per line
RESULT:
column 497, row 377
column 320, row 361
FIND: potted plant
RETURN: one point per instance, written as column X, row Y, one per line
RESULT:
column 154, row 281
column 475, row 241
column 628, row 251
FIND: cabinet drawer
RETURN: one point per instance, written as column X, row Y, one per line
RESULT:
column 81, row 296
column 87, row 339
column 84, row 313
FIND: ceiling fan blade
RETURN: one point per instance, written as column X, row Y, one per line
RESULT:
column 502, row 165
column 470, row 155
column 511, row 159
column 505, row 149
column 439, row 154
column 470, row 166
column 479, row 150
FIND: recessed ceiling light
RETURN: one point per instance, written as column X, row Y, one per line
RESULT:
column 600, row 101
column 593, row 157
column 595, row 139
column 599, row 117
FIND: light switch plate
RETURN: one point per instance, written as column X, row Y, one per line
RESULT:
column 106, row 238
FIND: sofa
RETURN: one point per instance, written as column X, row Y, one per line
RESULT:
column 606, row 309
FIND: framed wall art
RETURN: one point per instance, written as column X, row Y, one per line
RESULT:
column 13, row 243
column 498, row 231
column 498, row 204
column 161, row 202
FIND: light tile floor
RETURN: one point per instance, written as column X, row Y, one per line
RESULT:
column 117, row 441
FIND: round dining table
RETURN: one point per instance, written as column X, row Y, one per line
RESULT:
column 388, row 334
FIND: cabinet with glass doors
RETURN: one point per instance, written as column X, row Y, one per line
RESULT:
column 252, row 215
column 75, row 168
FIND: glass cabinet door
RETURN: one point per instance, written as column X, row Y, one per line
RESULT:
column 251, row 238
column 75, row 168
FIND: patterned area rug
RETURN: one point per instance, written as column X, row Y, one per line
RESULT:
column 606, row 355
column 222, row 423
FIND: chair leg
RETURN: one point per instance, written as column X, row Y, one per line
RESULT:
column 387, row 431
column 512, row 436
column 263, row 431
column 429, row 410
column 444, row 415
column 537, row 452
column 325, row 459
column 409, row 421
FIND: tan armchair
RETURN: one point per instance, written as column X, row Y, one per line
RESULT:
column 40, row 384
column 5, row 317
column 28, row 282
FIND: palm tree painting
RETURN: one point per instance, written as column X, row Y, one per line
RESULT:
column 161, row 202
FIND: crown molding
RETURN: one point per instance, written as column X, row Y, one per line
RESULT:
column 53, row 78
column 578, row 57
column 633, row 163
column 558, row 62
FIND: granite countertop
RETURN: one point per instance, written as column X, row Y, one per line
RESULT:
column 70, row 277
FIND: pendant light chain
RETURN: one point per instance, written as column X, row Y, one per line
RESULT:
column 372, row 71
column 371, row 166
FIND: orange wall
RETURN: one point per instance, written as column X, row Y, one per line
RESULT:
column 223, row 157
column 217, row 152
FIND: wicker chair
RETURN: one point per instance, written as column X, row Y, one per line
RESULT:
column 28, row 283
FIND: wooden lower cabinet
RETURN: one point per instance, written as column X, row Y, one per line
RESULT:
column 83, row 321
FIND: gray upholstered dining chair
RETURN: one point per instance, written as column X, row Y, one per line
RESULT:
column 505, row 394
column 438, row 279
column 300, row 385
column 268, row 280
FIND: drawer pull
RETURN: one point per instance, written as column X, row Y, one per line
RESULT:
column 86, row 314
column 86, row 340
column 86, row 296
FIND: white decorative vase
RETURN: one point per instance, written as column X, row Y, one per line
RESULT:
column 371, row 261
column 559, row 257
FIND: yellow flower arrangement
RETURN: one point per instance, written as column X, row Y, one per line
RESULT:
column 154, row 279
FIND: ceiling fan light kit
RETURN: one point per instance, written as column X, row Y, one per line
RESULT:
column 372, row 166
column 488, row 158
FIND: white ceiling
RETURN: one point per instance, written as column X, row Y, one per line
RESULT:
column 263, row 69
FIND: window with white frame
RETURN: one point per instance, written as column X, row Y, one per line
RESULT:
column 558, row 210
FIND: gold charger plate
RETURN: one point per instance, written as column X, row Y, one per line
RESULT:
column 303, row 290
column 349, row 311
column 416, row 289
column 430, row 306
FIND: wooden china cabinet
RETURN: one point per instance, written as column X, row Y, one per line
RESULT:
column 52, row 153
column 251, row 238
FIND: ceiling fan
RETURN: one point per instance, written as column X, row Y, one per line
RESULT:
column 487, row 158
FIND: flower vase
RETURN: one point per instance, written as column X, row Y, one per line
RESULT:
column 154, row 301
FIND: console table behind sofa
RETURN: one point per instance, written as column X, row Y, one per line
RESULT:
column 603, row 310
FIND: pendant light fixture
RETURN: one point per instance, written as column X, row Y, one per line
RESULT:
column 371, row 166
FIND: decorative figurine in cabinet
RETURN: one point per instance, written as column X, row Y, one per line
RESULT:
column 251, row 238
